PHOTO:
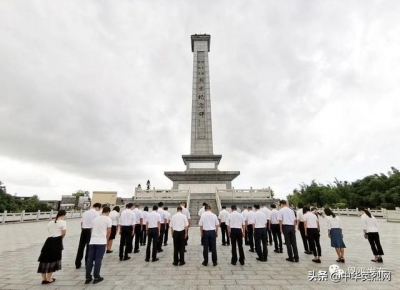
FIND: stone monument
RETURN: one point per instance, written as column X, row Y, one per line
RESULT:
column 201, row 174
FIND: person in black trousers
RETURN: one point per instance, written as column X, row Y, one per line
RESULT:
column 86, row 226
column 249, row 226
column 287, row 223
column 236, row 229
column 370, row 228
column 260, row 234
column 168, row 215
column 274, row 228
column 143, row 234
column 300, row 225
column 127, row 221
column 153, row 233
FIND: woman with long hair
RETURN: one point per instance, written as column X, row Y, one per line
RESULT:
column 335, row 234
column 51, row 253
column 370, row 228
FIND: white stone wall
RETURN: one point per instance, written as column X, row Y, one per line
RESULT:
column 201, row 188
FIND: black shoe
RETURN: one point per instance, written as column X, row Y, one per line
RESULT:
column 380, row 260
column 280, row 251
column 108, row 251
column 159, row 251
column 137, row 251
column 251, row 251
column 185, row 251
column 165, row 245
column 223, row 244
column 242, row 263
column 87, row 281
column 308, row 252
column 126, row 258
column 270, row 244
column 120, row 258
column 297, row 260
column 175, row 264
column 155, row 260
column 78, row 266
column 233, row 263
column 289, row 260
column 215, row 263
column 276, row 251
column 98, row 280
column 147, row 260
column 228, row 245
column 182, row 263
column 204, row 263
column 261, row 259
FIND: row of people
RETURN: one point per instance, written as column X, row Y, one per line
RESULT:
column 284, row 221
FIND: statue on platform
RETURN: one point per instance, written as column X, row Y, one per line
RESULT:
column 148, row 184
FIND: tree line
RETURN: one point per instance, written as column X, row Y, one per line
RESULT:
column 373, row 191
column 12, row 204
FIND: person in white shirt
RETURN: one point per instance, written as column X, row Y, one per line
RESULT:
column 259, row 223
column 51, row 253
column 86, row 226
column 244, row 214
column 153, row 226
column 274, row 226
column 222, row 217
column 249, row 226
column 186, row 213
column 101, row 231
column 138, row 227
column 163, row 224
column 168, row 216
column 335, row 234
column 267, row 213
column 126, row 224
column 287, row 225
column 201, row 211
column 300, row 226
column 114, row 216
column 143, row 234
column 311, row 230
column 236, row 230
column 370, row 228
column 209, row 231
column 179, row 228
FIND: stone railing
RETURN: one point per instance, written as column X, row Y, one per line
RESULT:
column 160, row 194
column 23, row 216
column 244, row 193
column 389, row 215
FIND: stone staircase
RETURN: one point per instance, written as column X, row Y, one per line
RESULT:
column 196, row 202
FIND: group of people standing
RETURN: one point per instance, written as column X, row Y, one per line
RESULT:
column 255, row 228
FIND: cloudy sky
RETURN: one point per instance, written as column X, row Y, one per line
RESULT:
column 96, row 95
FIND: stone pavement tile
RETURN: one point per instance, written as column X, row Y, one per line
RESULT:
column 269, row 287
column 196, row 282
column 223, row 282
column 208, row 287
column 16, row 286
column 239, row 287
column 234, row 277
column 48, row 287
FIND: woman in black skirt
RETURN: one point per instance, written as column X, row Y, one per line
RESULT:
column 335, row 234
column 50, row 256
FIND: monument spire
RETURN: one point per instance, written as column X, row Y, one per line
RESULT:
column 201, row 133
column 201, row 174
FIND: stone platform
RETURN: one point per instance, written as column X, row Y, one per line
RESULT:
column 20, row 245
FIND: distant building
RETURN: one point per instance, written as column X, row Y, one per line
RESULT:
column 67, row 202
column 105, row 197
column 84, row 202
column 54, row 204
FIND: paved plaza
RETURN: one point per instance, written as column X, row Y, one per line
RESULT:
column 20, row 245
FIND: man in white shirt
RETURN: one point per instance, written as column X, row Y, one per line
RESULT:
column 201, row 211
column 179, row 227
column 223, row 217
column 168, row 216
column 126, row 224
column 300, row 226
column 244, row 214
column 101, row 231
column 249, row 221
column 260, row 234
column 209, row 231
column 236, row 229
column 276, row 232
column 267, row 213
column 138, row 227
column 163, row 223
column 153, row 226
column 287, row 224
column 186, row 213
column 86, row 226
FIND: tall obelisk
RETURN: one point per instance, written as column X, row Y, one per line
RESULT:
column 201, row 174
